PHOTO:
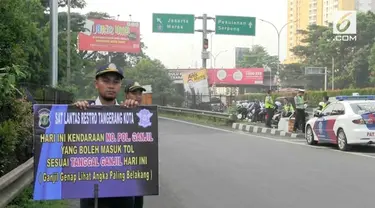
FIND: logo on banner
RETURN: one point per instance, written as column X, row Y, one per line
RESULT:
column 44, row 118
column 345, row 26
column 144, row 116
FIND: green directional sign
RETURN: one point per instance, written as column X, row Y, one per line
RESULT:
column 233, row 25
column 173, row 23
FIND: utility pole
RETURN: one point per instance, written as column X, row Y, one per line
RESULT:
column 205, row 54
column 333, row 73
column 54, row 42
column 68, row 45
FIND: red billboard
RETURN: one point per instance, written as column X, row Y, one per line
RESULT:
column 110, row 36
column 240, row 76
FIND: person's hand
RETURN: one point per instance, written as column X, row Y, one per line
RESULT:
column 129, row 103
column 83, row 104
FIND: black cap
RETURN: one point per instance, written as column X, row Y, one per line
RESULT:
column 131, row 86
column 109, row 68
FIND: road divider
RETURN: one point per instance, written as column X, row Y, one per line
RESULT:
column 265, row 130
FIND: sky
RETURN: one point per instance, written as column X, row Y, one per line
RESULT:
column 184, row 50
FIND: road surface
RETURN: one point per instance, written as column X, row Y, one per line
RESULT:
column 206, row 168
column 211, row 168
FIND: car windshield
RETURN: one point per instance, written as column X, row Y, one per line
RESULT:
column 365, row 107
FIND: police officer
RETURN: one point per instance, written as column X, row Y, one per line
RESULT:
column 269, row 106
column 326, row 102
column 288, row 108
column 133, row 90
column 108, row 83
column 300, row 111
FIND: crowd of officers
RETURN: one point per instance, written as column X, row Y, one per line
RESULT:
column 299, row 112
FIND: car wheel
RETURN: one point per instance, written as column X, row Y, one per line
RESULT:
column 342, row 142
column 309, row 135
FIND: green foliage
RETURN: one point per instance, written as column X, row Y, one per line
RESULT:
column 258, row 57
column 24, row 201
column 15, row 122
column 152, row 72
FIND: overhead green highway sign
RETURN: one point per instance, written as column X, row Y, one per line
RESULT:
column 234, row 25
column 173, row 23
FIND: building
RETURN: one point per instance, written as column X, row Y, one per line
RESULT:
column 302, row 13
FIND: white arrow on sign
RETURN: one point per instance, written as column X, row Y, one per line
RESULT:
column 250, row 24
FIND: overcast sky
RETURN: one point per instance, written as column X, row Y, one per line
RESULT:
column 183, row 50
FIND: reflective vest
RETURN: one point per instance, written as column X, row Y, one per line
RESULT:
column 300, row 103
column 268, row 103
column 324, row 106
column 288, row 108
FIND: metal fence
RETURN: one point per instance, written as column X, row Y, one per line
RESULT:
column 46, row 94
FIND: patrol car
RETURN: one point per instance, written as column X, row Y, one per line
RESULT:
column 347, row 121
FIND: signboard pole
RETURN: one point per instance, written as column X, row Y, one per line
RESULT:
column 96, row 195
column 68, row 40
column 54, row 42
column 325, row 79
column 204, row 36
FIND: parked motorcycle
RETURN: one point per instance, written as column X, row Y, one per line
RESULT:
column 242, row 112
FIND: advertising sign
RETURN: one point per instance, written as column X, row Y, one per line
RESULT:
column 196, row 83
column 110, row 36
column 113, row 147
column 240, row 76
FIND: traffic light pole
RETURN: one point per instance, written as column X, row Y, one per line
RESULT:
column 205, row 54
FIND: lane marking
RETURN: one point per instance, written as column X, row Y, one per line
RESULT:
column 268, row 138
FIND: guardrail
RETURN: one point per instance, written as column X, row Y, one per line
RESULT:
column 198, row 113
column 14, row 182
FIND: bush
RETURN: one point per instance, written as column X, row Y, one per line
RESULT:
column 313, row 97
column 15, row 134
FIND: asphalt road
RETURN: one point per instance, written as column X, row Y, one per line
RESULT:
column 209, row 168
column 202, row 167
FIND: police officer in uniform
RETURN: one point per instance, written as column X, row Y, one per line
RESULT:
column 269, row 106
column 108, row 83
column 288, row 109
column 300, row 111
column 326, row 102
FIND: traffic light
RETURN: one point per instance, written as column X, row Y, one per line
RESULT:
column 205, row 43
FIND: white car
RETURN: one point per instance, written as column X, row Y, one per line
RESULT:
column 350, row 120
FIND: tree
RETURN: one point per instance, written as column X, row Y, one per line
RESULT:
column 152, row 72
column 292, row 75
column 258, row 57
column 351, row 59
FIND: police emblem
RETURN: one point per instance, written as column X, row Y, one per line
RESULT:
column 44, row 118
column 144, row 116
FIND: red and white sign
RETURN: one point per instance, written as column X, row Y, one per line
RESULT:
column 241, row 76
column 110, row 36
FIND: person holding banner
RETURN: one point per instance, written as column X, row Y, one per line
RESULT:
column 133, row 91
column 108, row 83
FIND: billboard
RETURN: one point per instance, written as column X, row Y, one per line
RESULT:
column 196, row 83
column 240, row 76
column 110, row 36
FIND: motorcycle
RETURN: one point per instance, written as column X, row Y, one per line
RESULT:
column 242, row 112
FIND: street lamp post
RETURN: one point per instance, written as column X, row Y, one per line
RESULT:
column 278, row 40
column 215, row 56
